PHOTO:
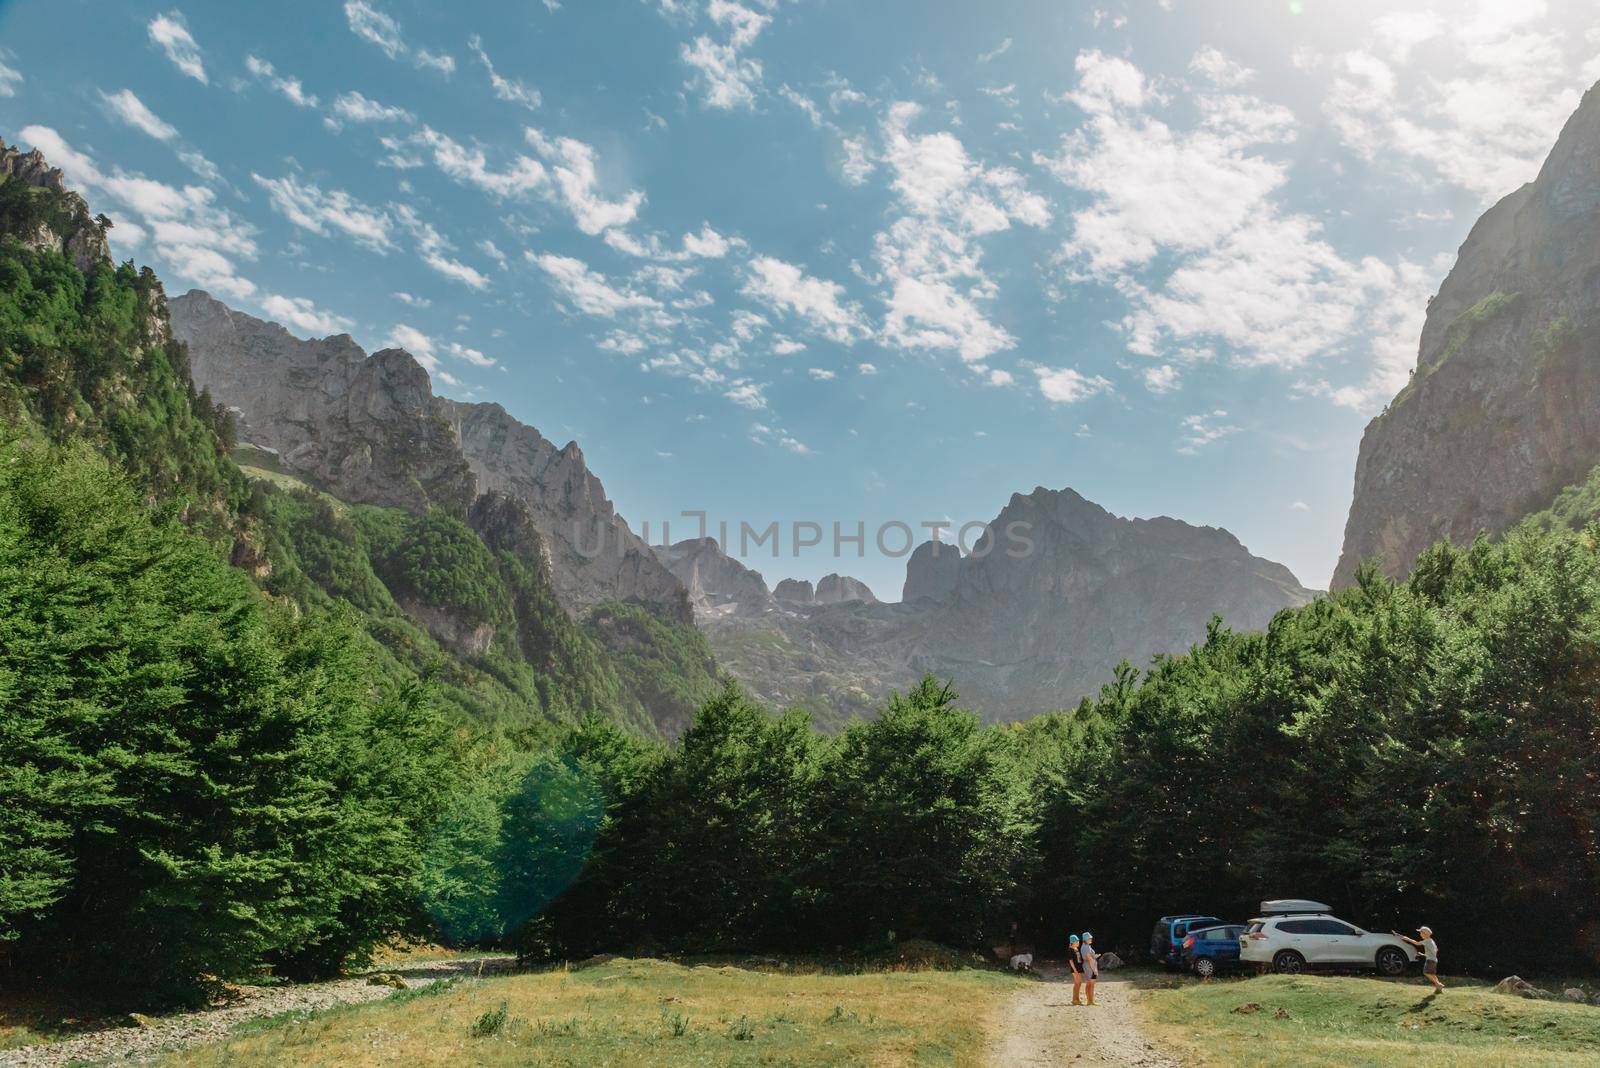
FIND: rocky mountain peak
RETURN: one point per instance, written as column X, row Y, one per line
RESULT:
column 59, row 218
column 838, row 589
column 932, row 572
column 370, row 430
column 1500, row 413
column 796, row 591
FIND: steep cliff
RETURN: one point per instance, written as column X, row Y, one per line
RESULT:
column 369, row 430
column 1021, row 627
column 1503, row 409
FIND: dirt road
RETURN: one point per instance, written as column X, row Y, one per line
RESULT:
column 180, row 1030
column 1042, row 1027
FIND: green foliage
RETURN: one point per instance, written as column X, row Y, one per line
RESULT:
column 193, row 780
column 1574, row 507
column 88, row 357
column 667, row 666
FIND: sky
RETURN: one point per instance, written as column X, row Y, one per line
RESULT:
column 809, row 261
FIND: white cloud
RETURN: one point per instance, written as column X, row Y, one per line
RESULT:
column 472, row 356
column 1066, row 385
column 857, row 165
column 310, row 208
column 1512, row 77
column 707, row 243
column 10, row 78
column 169, row 33
column 997, row 51
column 784, row 346
column 572, row 166
column 1198, row 431
column 727, row 80
column 746, row 393
column 1161, row 379
column 1300, row 506
column 412, row 300
column 1189, row 227
column 354, row 107
column 415, row 342
column 381, row 29
column 303, row 315
column 866, row 369
column 490, row 249
column 1219, row 70
column 998, row 377
column 928, row 256
column 197, row 162
column 470, row 166
column 432, row 246
column 508, row 89
column 818, row 301
column 131, row 110
column 289, row 88
column 197, row 239
column 822, row 374
column 588, row 290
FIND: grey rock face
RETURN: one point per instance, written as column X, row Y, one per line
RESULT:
column 717, row 583
column 837, row 589
column 932, row 572
column 796, row 591
column 1018, row 634
column 370, row 431
column 1503, row 409
column 81, row 238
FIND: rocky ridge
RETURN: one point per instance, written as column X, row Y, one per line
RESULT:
column 1021, row 629
column 1501, row 411
column 369, row 430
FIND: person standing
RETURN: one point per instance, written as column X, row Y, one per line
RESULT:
column 1430, row 953
column 1075, row 962
column 1091, row 965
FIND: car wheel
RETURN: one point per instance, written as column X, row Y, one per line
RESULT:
column 1391, row 961
column 1288, row 962
column 1205, row 967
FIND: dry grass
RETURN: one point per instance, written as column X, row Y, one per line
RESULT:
column 648, row 1012
column 1342, row 1022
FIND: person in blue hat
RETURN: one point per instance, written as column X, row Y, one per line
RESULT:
column 1075, row 962
column 1091, row 965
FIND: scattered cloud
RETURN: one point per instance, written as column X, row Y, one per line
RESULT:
column 289, row 88
column 928, row 256
column 131, row 110
column 307, row 206
column 433, row 248
column 1513, row 79
column 1300, row 506
column 412, row 300
column 415, row 342
column 508, row 89
column 996, row 52
column 822, row 374
column 587, row 290
column 381, row 29
column 1219, row 70
column 171, row 34
column 866, row 369
column 572, row 167
column 301, row 314
column 355, row 107
column 817, row 301
column 1198, row 431
column 472, row 356
column 726, row 79
column 1161, row 379
column 1066, row 385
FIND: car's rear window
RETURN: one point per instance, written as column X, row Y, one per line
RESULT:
column 1254, row 928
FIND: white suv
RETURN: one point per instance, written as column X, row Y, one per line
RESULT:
column 1292, row 936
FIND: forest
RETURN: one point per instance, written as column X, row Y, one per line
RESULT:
column 226, row 750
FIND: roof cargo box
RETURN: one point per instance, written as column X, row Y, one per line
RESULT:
column 1288, row 905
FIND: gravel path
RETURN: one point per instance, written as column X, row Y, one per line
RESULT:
column 181, row 1030
column 1042, row 1027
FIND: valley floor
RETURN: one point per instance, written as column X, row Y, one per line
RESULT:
column 759, row 1011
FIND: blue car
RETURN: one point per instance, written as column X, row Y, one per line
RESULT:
column 1166, row 941
column 1209, row 950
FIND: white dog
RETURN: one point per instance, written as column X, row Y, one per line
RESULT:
column 1022, row 962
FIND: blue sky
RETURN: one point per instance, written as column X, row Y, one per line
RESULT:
column 837, row 262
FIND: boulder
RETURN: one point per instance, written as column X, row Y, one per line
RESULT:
column 1110, row 962
column 1247, row 1008
column 389, row 979
column 1517, row 986
column 1572, row 993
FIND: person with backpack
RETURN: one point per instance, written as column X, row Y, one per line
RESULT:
column 1075, row 962
column 1091, row 965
